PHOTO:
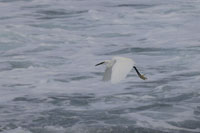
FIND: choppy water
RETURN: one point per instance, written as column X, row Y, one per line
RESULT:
column 48, row 82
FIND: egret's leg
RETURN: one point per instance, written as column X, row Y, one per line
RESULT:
column 138, row 73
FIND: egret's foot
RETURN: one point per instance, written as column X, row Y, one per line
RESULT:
column 143, row 77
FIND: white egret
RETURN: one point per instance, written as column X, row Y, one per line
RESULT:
column 118, row 68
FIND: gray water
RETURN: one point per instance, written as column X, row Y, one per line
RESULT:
column 49, row 84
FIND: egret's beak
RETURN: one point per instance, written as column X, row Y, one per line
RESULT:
column 99, row 63
column 138, row 73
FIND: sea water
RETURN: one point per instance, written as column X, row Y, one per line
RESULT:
column 49, row 82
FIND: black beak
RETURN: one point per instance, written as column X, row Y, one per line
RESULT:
column 99, row 63
column 138, row 73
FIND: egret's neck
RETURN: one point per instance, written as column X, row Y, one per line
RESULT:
column 109, row 63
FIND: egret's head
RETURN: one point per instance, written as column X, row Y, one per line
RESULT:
column 100, row 63
column 106, row 62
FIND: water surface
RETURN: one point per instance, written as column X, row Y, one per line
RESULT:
column 49, row 83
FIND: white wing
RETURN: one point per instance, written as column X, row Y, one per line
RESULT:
column 107, row 74
column 121, row 68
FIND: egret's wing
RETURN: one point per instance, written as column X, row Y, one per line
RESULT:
column 120, row 69
column 107, row 74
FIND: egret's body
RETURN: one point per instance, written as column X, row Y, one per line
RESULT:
column 118, row 68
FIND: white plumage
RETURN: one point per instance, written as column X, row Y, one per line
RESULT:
column 118, row 68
